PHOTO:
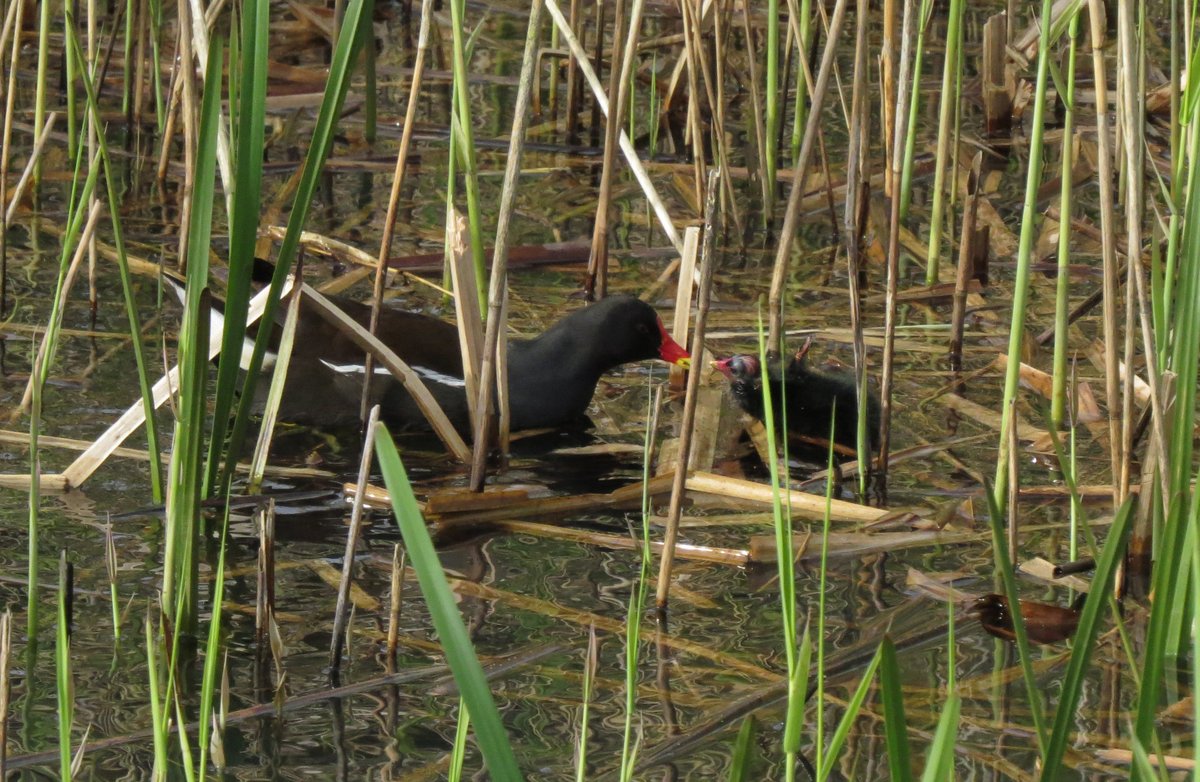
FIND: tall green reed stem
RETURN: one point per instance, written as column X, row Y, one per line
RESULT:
column 1062, row 288
column 463, row 140
column 945, row 116
column 1179, row 549
column 180, row 566
column 1024, row 254
column 914, row 106
column 250, row 107
column 62, row 665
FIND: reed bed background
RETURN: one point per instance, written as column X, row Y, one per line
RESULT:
column 963, row 170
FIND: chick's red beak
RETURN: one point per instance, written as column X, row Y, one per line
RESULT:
column 722, row 366
column 671, row 351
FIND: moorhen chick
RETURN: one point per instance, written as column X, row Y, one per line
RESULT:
column 551, row 378
column 809, row 395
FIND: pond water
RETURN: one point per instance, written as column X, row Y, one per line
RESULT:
column 535, row 596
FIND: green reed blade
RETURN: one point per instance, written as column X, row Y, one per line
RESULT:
column 895, row 725
column 358, row 12
column 443, row 610
column 1085, row 643
column 243, row 222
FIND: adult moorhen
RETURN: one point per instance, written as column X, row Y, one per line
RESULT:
column 808, row 396
column 551, row 378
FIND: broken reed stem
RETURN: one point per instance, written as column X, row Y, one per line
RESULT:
column 597, row 273
column 264, row 604
column 493, row 373
column 893, row 257
column 792, row 215
column 695, row 129
column 1108, row 245
column 199, row 42
column 574, row 87
column 270, row 414
column 966, row 249
column 683, row 297
column 49, row 342
column 708, row 250
column 336, row 643
column 396, row 600
column 887, row 68
column 469, row 318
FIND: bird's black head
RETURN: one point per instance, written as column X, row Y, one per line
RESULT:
column 621, row 329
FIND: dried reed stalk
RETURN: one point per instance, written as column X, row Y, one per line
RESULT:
column 893, row 270
column 596, row 285
column 64, row 294
column 400, row 371
column 35, row 154
column 14, row 13
column 352, row 535
column 493, row 372
column 857, row 188
column 707, row 253
column 1108, row 245
column 389, row 223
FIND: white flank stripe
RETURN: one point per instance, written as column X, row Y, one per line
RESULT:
column 438, row 377
column 353, row 369
column 424, row 372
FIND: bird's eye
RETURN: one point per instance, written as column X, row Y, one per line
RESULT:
column 746, row 366
column 642, row 328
